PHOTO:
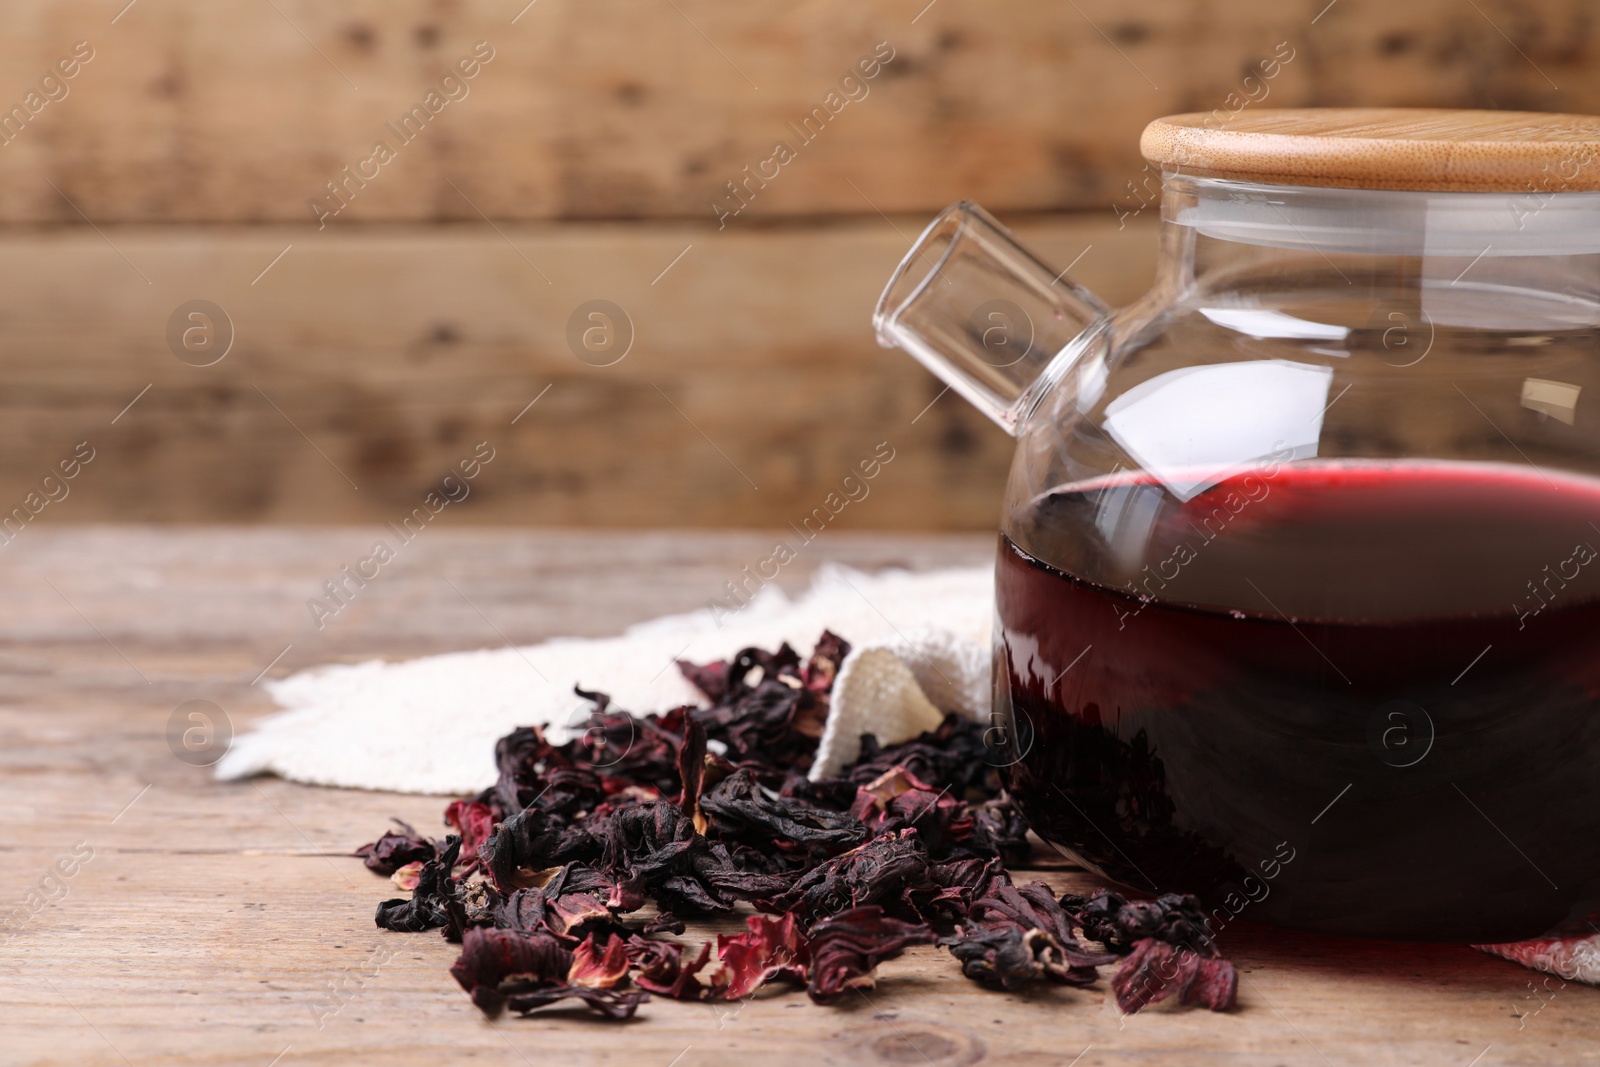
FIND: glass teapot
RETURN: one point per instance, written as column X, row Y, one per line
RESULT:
column 1298, row 589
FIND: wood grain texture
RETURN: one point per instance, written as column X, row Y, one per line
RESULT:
column 367, row 365
column 195, row 111
column 214, row 920
column 1385, row 148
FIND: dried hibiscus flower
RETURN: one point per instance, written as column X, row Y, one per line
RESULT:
column 1011, row 957
column 769, row 948
column 1118, row 923
column 435, row 902
column 847, row 948
column 601, row 966
column 523, row 971
column 705, row 810
column 660, row 968
column 493, row 959
column 1157, row 970
column 612, row 1003
column 472, row 821
column 395, row 850
column 884, row 871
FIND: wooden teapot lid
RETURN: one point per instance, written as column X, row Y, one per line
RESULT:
column 1384, row 148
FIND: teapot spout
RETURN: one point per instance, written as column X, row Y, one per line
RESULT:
column 984, row 314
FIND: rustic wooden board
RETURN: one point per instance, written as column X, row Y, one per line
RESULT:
column 213, row 920
column 367, row 364
column 623, row 108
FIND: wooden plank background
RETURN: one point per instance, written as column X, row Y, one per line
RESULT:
column 183, row 156
column 194, row 111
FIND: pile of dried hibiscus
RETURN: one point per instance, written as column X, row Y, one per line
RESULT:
column 702, row 808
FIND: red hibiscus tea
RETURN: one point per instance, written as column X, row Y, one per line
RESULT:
column 1354, row 697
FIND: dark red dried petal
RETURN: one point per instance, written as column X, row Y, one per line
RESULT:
column 664, row 923
column 769, row 948
column 570, row 897
column 471, row 820
column 741, row 809
column 395, row 850
column 998, row 829
column 602, row 966
column 692, row 773
column 661, row 968
column 435, row 902
column 823, row 667
column 711, row 679
column 1216, row 986
column 612, row 1003
column 494, row 962
column 884, row 871
column 953, row 756
column 1010, row 957
column 898, row 799
column 1156, row 970
column 846, row 948
column 534, row 840
column 1117, row 922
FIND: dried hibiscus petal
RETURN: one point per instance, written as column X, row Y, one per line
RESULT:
column 435, row 901
column 1118, row 923
column 761, row 709
column 472, row 821
column 406, row 877
column 1010, row 957
column 898, row 799
column 629, row 748
column 692, row 774
column 612, row 1003
column 493, row 960
column 953, row 756
column 395, row 850
column 769, row 948
column 568, row 898
column 883, row 871
column 534, row 840
column 664, row 923
column 998, row 829
column 847, row 948
column 1156, row 970
column 603, row 966
column 653, row 849
column 827, row 656
column 662, row 969
column 743, row 810
column 711, row 679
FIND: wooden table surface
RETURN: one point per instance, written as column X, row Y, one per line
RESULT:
column 214, row 921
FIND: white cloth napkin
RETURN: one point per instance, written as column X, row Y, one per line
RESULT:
column 920, row 648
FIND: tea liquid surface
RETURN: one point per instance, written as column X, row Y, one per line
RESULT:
column 1355, row 697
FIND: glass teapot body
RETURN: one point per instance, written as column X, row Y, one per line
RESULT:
column 1298, row 588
